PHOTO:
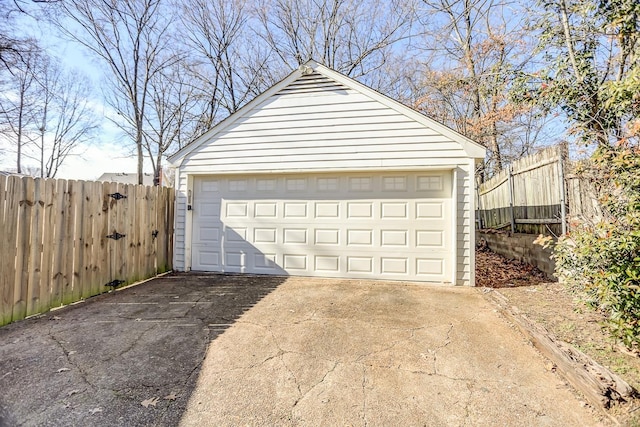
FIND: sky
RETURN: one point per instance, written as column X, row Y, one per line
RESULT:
column 109, row 150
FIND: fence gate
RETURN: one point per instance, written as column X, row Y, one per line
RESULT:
column 63, row 241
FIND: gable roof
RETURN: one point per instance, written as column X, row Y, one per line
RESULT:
column 472, row 148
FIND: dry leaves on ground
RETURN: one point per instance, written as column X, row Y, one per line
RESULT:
column 150, row 402
column 553, row 306
column 496, row 271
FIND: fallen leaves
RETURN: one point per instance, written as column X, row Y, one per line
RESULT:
column 63, row 370
column 496, row 271
column 171, row 396
column 153, row 401
column 150, row 402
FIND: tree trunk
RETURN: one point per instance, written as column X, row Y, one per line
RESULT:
column 19, row 136
column 139, row 151
column 157, row 179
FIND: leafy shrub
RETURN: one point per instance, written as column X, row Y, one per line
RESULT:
column 602, row 259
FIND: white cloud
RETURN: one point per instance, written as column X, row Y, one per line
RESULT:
column 98, row 159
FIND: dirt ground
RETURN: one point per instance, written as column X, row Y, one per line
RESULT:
column 551, row 305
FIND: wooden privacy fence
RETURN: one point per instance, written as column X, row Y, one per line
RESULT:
column 63, row 241
column 528, row 197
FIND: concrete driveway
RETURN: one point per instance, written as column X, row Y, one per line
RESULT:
column 355, row 353
column 281, row 351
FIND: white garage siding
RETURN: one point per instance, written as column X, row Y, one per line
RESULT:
column 326, row 123
column 335, row 128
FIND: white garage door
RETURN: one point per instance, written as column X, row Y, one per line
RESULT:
column 393, row 226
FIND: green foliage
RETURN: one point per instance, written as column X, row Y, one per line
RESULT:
column 602, row 260
column 591, row 66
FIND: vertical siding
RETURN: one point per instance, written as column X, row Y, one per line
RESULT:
column 464, row 229
column 180, row 222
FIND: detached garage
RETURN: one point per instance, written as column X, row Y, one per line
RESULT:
column 323, row 176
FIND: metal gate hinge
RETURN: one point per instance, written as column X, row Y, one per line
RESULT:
column 114, row 283
column 117, row 196
column 115, row 236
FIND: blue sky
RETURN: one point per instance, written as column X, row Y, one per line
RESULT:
column 109, row 150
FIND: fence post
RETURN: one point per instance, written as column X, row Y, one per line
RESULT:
column 479, row 213
column 563, row 195
column 513, row 220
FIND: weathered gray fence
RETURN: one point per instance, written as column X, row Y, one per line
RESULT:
column 63, row 241
column 527, row 197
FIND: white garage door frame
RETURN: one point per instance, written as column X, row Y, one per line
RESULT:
column 450, row 276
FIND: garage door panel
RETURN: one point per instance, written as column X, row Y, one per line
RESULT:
column 295, row 210
column 326, row 210
column 265, row 261
column 360, row 264
column 265, row 235
column 394, row 265
column 360, row 210
column 395, row 226
column 394, row 210
column 295, row 262
column 208, row 210
column 327, row 263
column 294, row 236
column 394, row 238
column 208, row 234
column 265, row 210
column 430, row 267
column 207, row 259
column 327, row 236
column 430, row 239
column 237, row 210
column 356, row 237
column 235, row 260
column 236, row 234
column 430, row 210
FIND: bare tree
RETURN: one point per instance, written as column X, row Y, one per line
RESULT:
column 131, row 39
column 227, row 68
column 171, row 120
column 11, row 45
column 350, row 36
column 65, row 119
column 475, row 50
column 18, row 101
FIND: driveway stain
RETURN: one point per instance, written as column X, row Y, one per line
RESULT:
column 130, row 357
column 214, row 350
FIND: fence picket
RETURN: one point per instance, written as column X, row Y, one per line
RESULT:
column 61, row 212
column 149, row 226
column 48, row 239
column 78, row 241
column 124, row 248
column 24, row 203
column 54, row 245
column 100, row 231
column 34, row 267
column 7, row 248
column 90, row 214
column 121, row 207
column 138, row 238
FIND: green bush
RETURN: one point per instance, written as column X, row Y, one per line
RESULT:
column 601, row 260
